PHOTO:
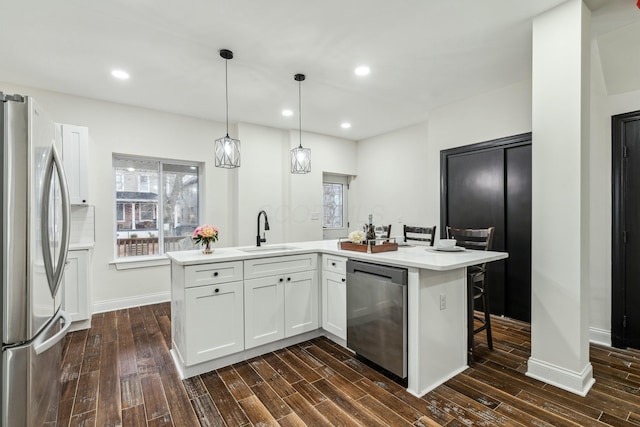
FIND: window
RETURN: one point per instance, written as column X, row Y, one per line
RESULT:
column 143, row 183
column 157, row 204
column 332, row 205
column 119, row 211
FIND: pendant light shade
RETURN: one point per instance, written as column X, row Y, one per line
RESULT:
column 300, row 157
column 227, row 149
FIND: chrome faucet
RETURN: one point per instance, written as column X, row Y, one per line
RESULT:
column 266, row 227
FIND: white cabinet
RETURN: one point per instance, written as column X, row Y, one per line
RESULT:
column 75, row 288
column 281, row 298
column 334, row 295
column 214, row 321
column 264, row 315
column 300, row 302
column 207, row 311
column 75, row 156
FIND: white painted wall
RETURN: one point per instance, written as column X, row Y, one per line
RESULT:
column 232, row 198
column 599, row 206
column 391, row 180
column 292, row 202
column 399, row 172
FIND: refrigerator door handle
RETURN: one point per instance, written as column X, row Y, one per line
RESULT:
column 41, row 347
column 54, row 276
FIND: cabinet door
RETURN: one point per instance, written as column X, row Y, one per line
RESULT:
column 300, row 302
column 214, row 321
column 264, row 310
column 75, row 300
column 75, row 156
column 334, row 303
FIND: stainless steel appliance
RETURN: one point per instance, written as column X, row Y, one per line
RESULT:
column 35, row 241
column 377, row 314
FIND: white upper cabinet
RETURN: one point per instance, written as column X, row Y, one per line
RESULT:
column 75, row 156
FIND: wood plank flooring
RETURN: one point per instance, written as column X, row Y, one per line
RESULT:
column 120, row 373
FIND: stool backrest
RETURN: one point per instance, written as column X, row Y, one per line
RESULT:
column 420, row 234
column 472, row 238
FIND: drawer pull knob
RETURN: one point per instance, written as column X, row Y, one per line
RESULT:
column 333, row 264
column 217, row 290
column 288, row 279
column 215, row 274
column 281, row 279
column 344, row 280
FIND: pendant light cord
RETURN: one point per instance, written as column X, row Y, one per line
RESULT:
column 226, row 92
column 300, row 110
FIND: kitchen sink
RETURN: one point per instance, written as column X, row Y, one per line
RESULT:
column 269, row 249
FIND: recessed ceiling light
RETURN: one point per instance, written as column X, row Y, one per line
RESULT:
column 120, row 74
column 130, row 169
column 287, row 113
column 345, row 125
column 362, row 70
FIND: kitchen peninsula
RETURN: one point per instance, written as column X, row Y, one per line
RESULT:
column 241, row 302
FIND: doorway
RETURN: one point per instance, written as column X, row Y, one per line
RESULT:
column 335, row 206
column 489, row 184
column 625, row 233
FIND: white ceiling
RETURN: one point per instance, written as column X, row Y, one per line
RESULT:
column 422, row 54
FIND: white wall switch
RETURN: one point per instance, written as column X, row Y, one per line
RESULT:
column 443, row 301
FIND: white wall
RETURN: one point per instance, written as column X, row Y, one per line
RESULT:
column 391, row 180
column 600, row 206
column 232, row 198
column 399, row 172
column 292, row 202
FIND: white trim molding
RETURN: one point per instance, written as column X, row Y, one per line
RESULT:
column 575, row 382
column 122, row 303
column 600, row 336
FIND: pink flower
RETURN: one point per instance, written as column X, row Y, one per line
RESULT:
column 205, row 234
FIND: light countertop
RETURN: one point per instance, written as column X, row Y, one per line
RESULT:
column 425, row 257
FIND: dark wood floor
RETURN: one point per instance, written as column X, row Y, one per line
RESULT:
column 120, row 373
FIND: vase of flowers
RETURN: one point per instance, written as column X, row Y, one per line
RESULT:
column 205, row 235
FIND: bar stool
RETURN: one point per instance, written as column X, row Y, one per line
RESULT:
column 420, row 234
column 477, row 287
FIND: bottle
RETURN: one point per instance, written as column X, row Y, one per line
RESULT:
column 371, row 232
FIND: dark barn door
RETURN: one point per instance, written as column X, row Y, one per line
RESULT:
column 476, row 200
column 489, row 184
column 625, row 312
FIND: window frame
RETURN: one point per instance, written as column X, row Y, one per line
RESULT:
column 135, row 261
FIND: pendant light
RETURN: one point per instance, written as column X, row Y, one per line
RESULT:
column 300, row 157
column 227, row 149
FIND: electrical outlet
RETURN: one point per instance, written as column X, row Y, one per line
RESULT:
column 443, row 301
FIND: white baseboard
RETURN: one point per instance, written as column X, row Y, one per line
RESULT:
column 600, row 336
column 575, row 382
column 122, row 303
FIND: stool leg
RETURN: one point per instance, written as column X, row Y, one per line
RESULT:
column 487, row 314
column 470, row 325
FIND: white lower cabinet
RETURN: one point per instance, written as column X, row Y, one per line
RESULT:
column 300, row 303
column 214, row 321
column 334, row 303
column 75, row 288
column 334, row 295
column 264, row 314
column 280, row 305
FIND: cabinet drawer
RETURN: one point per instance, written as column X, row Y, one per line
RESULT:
column 273, row 266
column 334, row 263
column 209, row 274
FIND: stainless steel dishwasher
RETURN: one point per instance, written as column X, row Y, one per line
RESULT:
column 377, row 314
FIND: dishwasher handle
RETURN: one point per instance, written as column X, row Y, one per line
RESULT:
column 390, row 273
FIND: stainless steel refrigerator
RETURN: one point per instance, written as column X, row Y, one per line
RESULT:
column 35, row 241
